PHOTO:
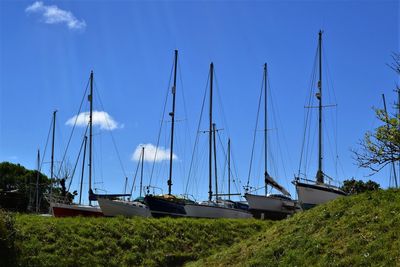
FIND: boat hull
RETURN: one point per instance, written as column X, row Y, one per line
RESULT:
column 67, row 210
column 113, row 208
column 206, row 211
column 160, row 207
column 311, row 195
column 270, row 207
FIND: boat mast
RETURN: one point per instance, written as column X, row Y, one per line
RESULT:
column 90, row 135
column 37, row 181
column 141, row 174
column 398, row 113
column 391, row 152
column 215, row 162
column 83, row 169
column 172, row 114
column 210, row 136
column 320, row 174
column 265, row 131
column 52, row 148
column 229, row 169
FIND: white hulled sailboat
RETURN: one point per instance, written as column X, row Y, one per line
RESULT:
column 311, row 193
column 272, row 206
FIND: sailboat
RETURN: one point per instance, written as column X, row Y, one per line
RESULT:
column 119, row 206
column 272, row 206
column 311, row 193
column 217, row 208
column 168, row 204
column 61, row 208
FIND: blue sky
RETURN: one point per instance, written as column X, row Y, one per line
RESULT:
column 45, row 64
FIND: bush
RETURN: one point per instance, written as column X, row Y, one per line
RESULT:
column 7, row 238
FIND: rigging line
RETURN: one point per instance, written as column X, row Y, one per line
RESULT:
column 110, row 131
column 225, row 159
column 187, row 130
column 73, row 128
column 331, row 89
column 201, row 165
column 310, row 152
column 278, row 120
column 183, row 96
column 236, row 181
column 197, row 133
column 76, row 164
column 274, row 114
column 255, row 132
column 329, row 142
column 328, row 73
column 134, row 179
column 161, row 124
column 217, row 89
column 306, row 117
column 47, row 142
column 311, row 102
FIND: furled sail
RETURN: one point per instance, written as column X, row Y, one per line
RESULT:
column 274, row 184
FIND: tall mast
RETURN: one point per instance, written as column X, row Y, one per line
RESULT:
column 210, row 136
column 391, row 152
column 37, row 181
column 265, row 131
column 320, row 174
column 90, row 134
column 172, row 114
column 398, row 113
column 215, row 162
column 229, row 169
column 52, row 146
column 83, row 169
column 141, row 174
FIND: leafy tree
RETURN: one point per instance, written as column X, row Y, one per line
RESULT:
column 18, row 188
column 381, row 146
column 353, row 186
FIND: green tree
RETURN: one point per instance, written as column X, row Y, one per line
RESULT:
column 381, row 146
column 18, row 188
column 353, row 186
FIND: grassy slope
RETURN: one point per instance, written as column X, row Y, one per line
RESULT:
column 361, row 230
column 124, row 242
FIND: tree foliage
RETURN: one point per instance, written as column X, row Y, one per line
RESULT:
column 353, row 186
column 381, row 146
column 18, row 188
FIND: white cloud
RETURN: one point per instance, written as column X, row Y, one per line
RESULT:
column 100, row 118
column 54, row 15
column 151, row 152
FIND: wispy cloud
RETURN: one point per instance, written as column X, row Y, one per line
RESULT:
column 151, row 153
column 55, row 15
column 100, row 118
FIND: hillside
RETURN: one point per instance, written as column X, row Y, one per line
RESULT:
column 28, row 240
column 361, row 230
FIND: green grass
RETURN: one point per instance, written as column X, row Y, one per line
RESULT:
column 42, row 241
column 362, row 230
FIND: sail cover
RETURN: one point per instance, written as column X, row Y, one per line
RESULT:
column 274, row 184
